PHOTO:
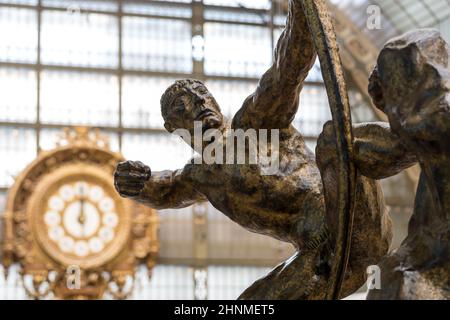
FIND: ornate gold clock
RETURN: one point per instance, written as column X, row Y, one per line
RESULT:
column 71, row 232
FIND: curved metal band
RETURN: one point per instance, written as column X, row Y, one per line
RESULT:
column 324, row 36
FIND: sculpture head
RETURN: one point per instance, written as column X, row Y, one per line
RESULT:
column 411, row 84
column 187, row 101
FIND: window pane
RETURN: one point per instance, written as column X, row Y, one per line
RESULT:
column 79, row 98
column 361, row 111
column 82, row 39
column 18, row 99
column 157, row 44
column 183, row 1
column 76, row 6
column 279, row 19
column 255, row 4
column 229, row 241
column 141, row 96
column 227, row 283
column 175, row 234
column 18, row 149
column 160, row 151
column 235, row 16
column 29, row 2
column 49, row 138
column 11, row 287
column 167, row 283
column 230, row 95
column 313, row 112
column 230, row 50
column 315, row 74
column 157, row 9
column 18, row 35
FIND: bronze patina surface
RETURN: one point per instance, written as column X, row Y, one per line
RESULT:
column 411, row 84
column 299, row 203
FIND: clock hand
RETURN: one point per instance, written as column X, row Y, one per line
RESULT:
column 82, row 216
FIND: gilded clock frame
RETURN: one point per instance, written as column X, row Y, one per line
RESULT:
column 79, row 148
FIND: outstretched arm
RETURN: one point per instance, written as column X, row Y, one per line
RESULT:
column 275, row 102
column 159, row 190
column 378, row 152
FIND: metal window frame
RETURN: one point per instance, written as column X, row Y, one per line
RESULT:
column 120, row 71
column 197, row 22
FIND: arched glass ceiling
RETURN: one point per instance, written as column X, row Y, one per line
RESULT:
column 398, row 16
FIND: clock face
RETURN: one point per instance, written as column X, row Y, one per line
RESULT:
column 81, row 220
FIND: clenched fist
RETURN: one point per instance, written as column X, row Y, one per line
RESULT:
column 130, row 178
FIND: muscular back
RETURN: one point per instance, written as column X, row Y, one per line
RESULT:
column 287, row 205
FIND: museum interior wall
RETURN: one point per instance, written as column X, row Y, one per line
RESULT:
column 105, row 64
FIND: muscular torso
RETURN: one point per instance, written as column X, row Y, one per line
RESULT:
column 290, row 205
column 287, row 205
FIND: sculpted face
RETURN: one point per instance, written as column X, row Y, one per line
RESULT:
column 188, row 101
column 411, row 85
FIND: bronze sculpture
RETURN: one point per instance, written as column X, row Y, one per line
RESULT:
column 300, row 201
column 411, row 84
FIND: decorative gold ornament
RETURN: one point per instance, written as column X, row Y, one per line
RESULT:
column 72, row 234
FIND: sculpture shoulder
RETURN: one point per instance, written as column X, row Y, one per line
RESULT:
column 241, row 118
column 197, row 172
column 191, row 168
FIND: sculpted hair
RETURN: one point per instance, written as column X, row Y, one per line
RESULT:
column 174, row 91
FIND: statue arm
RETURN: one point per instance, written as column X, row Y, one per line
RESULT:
column 275, row 102
column 168, row 189
column 378, row 152
column 159, row 190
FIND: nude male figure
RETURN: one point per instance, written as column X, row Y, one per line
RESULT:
column 289, row 205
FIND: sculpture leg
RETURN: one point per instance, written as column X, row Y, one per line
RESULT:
column 294, row 279
column 372, row 234
column 402, row 282
column 419, row 269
